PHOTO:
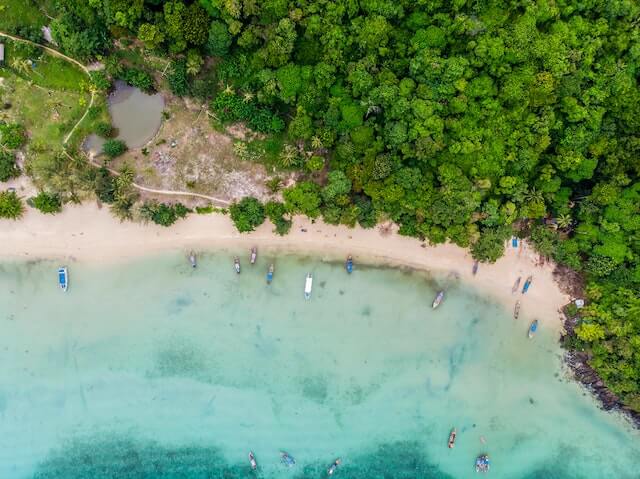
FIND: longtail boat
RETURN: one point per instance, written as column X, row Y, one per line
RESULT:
column 308, row 284
column 333, row 467
column 254, row 255
column 533, row 328
column 252, row 461
column 63, row 278
column 192, row 259
column 287, row 459
column 527, row 283
column 482, row 463
column 516, row 310
column 236, row 264
column 452, row 438
column 516, row 285
column 270, row 274
column 349, row 264
column 438, row 299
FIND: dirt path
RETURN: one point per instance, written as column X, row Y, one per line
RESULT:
column 56, row 53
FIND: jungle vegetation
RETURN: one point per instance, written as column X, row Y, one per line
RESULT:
column 463, row 121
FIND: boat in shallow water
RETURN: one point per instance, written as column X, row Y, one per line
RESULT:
column 527, row 283
column 482, row 463
column 192, row 259
column 308, row 285
column 349, row 264
column 270, row 274
column 452, row 438
column 438, row 299
column 236, row 264
column 333, row 467
column 533, row 328
column 516, row 310
column 254, row 255
column 474, row 270
column 516, row 285
column 63, row 278
column 252, row 461
column 287, row 459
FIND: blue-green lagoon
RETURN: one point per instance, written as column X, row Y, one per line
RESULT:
column 152, row 369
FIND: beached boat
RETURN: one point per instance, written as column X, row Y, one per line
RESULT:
column 527, row 283
column 287, row 459
column 474, row 270
column 254, row 255
column 333, row 467
column 438, row 299
column 308, row 284
column 63, row 278
column 482, row 463
column 452, row 438
column 252, row 461
column 270, row 274
column 516, row 285
column 514, row 241
column 236, row 264
column 349, row 264
column 533, row 328
column 192, row 259
column 516, row 310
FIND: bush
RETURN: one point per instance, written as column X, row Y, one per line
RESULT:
column 276, row 211
column 138, row 78
column 47, row 203
column 8, row 167
column 104, row 186
column 113, row 148
column 104, row 129
column 12, row 135
column 490, row 245
column 11, row 206
column 247, row 214
column 230, row 108
column 162, row 213
column 100, row 81
column 178, row 78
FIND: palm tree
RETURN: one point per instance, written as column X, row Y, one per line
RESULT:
column 228, row 90
column 316, row 142
column 240, row 149
column 564, row 221
column 534, row 196
column 288, row 156
column 21, row 66
column 247, row 97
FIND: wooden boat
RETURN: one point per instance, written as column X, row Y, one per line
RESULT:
column 308, row 284
column 252, row 461
column 527, row 283
column 516, row 310
column 516, row 285
column 533, row 328
column 192, row 259
column 438, row 299
column 482, row 463
column 349, row 264
column 287, row 459
column 63, row 278
column 270, row 274
column 474, row 270
column 333, row 467
column 236, row 264
column 254, row 255
column 452, row 438
column 514, row 241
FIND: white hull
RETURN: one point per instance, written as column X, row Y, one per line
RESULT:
column 308, row 285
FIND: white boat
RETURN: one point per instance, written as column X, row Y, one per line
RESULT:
column 63, row 278
column 333, row 467
column 254, row 255
column 252, row 461
column 438, row 299
column 236, row 264
column 308, row 284
column 192, row 259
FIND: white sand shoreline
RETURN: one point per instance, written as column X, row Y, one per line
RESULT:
column 89, row 234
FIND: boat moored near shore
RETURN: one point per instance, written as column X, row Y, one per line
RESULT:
column 270, row 272
column 533, row 328
column 287, row 459
column 483, row 464
column 252, row 461
column 308, row 285
column 516, row 310
column 333, row 467
column 63, row 278
column 349, row 264
column 452, row 438
column 192, row 259
column 527, row 283
column 254, row 255
column 438, row 299
column 236, row 264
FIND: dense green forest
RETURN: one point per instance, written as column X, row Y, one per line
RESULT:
column 465, row 121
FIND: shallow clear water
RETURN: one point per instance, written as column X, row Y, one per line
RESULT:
column 155, row 370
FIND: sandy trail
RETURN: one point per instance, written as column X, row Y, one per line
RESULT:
column 87, row 233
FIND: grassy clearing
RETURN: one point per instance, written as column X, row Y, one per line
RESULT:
column 48, row 115
column 267, row 151
column 47, row 71
column 15, row 14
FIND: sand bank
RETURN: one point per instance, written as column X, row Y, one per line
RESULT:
column 88, row 233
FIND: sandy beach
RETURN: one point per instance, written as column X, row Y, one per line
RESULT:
column 88, row 233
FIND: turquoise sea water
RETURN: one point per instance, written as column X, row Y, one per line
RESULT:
column 154, row 370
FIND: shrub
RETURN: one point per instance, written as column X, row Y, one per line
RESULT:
column 8, row 167
column 178, row 77
column 104, row 186
column 230, row 108
column 113, row 148
column 162, row 213
column 104, row 129
column 12, row 135
column 247, row 214
column 11, row 206
column 48, row 203
column 138, row 78
column 276, row 212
